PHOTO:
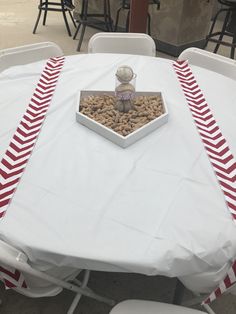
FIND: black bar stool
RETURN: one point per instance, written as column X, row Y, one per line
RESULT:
column 86, row 19
column 126, row 6
column 53, row 6
column 230, row 19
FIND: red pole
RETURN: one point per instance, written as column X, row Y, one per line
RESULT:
column 138, row 16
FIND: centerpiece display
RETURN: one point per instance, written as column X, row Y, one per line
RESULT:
column 125, row 115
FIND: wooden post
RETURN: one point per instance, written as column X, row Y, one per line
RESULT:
column 138, row 16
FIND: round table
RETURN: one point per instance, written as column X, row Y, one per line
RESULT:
column 152, row 208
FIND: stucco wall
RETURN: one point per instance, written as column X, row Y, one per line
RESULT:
column 181, row 21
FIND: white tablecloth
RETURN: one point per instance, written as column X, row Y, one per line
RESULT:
column 152, row 208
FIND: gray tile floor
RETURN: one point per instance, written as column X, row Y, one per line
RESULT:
column 17, row 18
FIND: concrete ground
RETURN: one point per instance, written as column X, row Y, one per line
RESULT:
column 17, row 18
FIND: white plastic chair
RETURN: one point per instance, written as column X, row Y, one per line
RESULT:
column 210, row 61
column 150, row 307
column 127, row 43
column 28, row 53
column 12, row 259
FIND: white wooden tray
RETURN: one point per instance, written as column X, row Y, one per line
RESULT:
column 123, row 141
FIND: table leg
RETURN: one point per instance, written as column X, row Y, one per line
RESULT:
column 179, row 293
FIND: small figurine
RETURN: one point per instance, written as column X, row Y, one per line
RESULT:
column 125, row 91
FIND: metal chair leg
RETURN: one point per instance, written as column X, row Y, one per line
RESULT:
column 83, row 22
column 222, row 32
column 105, row 15
column 117, row 18
column 213, row 25
column 127, row 22
column 149, row 24
column 72, row 19
column 232, row 52
column 215, row 19
column 81, row 37
column 78, row 295
column 108, row 8
column 65, row 18
column 81, row 18
column 45, row 12
column 77, row 30
column 179, row 293
column 37, row 21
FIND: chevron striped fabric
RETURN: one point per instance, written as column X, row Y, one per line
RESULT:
column 12, row 278
column 21, row 147
column 217, row 149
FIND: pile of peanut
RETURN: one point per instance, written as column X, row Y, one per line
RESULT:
column 101, row 109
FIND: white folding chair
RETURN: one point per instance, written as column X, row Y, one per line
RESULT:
column 17, row 272
column 151, row 307
column 28, row 53
column 127, row 43
column 210, row 61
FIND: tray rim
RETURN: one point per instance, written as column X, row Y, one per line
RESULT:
column 122, row 138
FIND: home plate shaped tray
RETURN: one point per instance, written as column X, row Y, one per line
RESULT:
column 108, row 133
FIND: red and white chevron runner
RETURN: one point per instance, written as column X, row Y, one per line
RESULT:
column 21, row 147
column 12, row 278
column 217, row 149
column 22, row 144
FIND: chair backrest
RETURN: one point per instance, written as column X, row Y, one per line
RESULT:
column 28, row 53
column 14, row 270
column 151, row 307
column 210, row 61
column 127, row 43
